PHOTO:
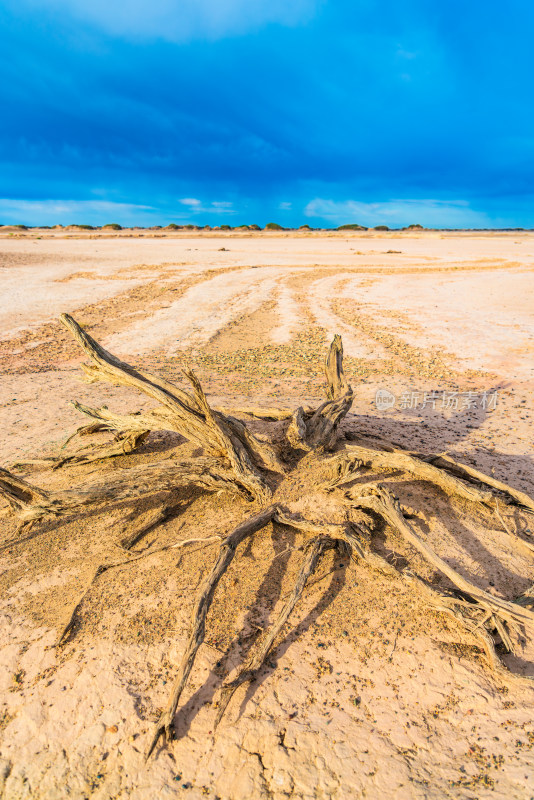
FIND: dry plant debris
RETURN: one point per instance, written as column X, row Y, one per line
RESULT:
column 235, row 460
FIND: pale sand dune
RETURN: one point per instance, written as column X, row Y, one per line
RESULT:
column 486, row 320
column 197, row 316
column 368, row 694
column 322, row 293
column 289, row 316
column 38, row 295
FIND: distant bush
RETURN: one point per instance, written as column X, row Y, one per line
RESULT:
column 254, row 227
column 304, row 228
column 173, row 226
column 414, row 228
column 112, row 226
column 273, row 226
column 226, row 228
column 83, row 227
column 351, row 227
column 381, row 228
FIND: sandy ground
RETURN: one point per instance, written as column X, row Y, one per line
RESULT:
column 367, row 695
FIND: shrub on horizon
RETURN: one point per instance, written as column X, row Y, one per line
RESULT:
column 381, row 228
column 273, row 226
column 352, row 226
column 114, row 226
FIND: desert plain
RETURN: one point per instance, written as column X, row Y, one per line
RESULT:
column 367, row 693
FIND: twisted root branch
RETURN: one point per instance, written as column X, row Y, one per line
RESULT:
column 318, row 431
column 187, row 414
column 32, row 503
column 380, row 501
column 164, row 725
column 247, row 673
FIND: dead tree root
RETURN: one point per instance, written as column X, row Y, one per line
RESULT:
column 32, row 503
column 318, row 430
column 505, row 614
column 236, row 461
column 249, row 670
column 165, row 723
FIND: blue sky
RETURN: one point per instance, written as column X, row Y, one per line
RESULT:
column 318, row 112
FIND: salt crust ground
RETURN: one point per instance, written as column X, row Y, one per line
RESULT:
column 370, row 697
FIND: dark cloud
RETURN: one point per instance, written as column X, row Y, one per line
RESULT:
column 340, row 104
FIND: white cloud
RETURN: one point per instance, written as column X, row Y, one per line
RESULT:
column 396, row 213
column 180, row 20
column 215, row 207
column 63, row 212
column 407, row 54
column 100, row 212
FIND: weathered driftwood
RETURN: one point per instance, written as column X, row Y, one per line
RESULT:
column 252, row 525
column 346, row 464
column 514, row 496
column 237, row 461
column 32, row 503
column 255, row 661
column 381, row 501
column 124, row 443
column 267, row 413
column 391, row 456
column 188, row 414
column 127, row 437
column 318, row 430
